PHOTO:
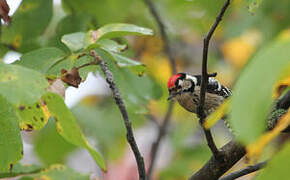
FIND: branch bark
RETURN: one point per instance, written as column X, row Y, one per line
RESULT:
column 119, row 101
column 204, row 81
column 244, row 171
column 232, row 152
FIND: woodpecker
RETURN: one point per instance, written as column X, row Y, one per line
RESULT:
column 185, row 88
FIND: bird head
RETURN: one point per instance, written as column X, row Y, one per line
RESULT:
column 180, row 83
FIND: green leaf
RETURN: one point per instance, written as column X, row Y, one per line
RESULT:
column 111, row 45
column 118, row 30
column 57, row 172
column 29, row 22
column 278, row 167
column 41, row 59
column 48, row 137
column 20, row 169
column 31, row 117
column 252, row 97
column 253, row 5
column 70, row 24
column 68, row 128
column 124, row 62
column 3, row 50
column 123, row 10
column 21, row 85
column 11, row 149
column 145, row 88
column 74, row 41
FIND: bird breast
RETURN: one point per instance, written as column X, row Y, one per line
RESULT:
column 190, row 101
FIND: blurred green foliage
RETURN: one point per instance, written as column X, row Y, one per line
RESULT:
column 254, row 113
column 52, row 37
column 278, row 167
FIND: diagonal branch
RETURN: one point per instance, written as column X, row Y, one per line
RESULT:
column 119, row 101
column 232, row 152
column 244, row 171
column 168, row 50
column 161, row 133
column 204, row 79
column 162, row 29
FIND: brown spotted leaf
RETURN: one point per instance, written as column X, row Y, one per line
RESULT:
column 29, row 22
column 32, row 117
column 71, row 77
column 20, row 85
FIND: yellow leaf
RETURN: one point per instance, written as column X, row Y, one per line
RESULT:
column 45, row 110
column 254, row 150
column 284, row 35
column 238, row 50
column 159, row 67
column 217, row 115
column 281, row 86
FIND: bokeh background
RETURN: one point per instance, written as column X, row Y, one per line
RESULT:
column 183, row 150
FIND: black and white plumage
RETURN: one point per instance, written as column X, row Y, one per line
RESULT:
column 185, row 88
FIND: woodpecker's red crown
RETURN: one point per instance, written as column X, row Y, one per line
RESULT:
column 172, row 80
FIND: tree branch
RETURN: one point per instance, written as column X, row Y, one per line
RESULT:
column 232, row 152
column 164, row 36
column 168, row 50
column 162, row 130
column 204, row 80
column 244, row 171
column 119, row 101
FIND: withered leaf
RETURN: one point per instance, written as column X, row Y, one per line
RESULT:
column 4, row 10
column 71, row 77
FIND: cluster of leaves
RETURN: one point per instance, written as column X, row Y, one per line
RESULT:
column 25, row 98
column 53, row 39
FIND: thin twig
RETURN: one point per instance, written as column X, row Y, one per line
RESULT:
column 119, row 101
column 162, row 29
column 204, row 79
column 87, row 64
column 161, row 133
column 168, row 50
column 153, row 120
column 244, row 171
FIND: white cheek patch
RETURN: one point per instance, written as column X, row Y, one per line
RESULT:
column 180, row 82
column 192, row 78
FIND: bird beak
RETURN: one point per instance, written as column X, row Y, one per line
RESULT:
column 171, row 96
